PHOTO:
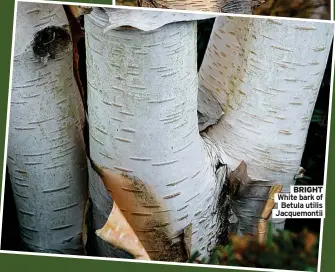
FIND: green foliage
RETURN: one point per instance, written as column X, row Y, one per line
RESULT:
column 282, row 250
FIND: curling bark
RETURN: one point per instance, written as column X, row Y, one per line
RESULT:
column 46, row 155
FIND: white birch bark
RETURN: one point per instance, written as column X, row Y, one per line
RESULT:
column 142, row 108
column 266, row 75
column 46, row 156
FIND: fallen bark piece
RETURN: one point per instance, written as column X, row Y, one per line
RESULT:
column 119, row 233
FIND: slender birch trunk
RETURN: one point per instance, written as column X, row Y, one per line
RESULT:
column 46, row 155
column 266, row 75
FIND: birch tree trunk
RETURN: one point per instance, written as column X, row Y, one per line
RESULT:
column 46, row 155
column 145, row 148
column 266, row 75
column 142, row 111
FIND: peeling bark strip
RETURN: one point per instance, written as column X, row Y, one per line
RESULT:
column 45, row 140
column 145, row 215
column 145, row 20
column 153, row 76
column 267, row 83
column 262, row 223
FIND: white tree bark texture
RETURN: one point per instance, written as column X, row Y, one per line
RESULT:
column 266, row 75
column 146, row 20
column 144, row 136
column 46, row 153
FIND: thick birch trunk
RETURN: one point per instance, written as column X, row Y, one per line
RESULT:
column 266, row 75
column 144, row 138
column 46, row 156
